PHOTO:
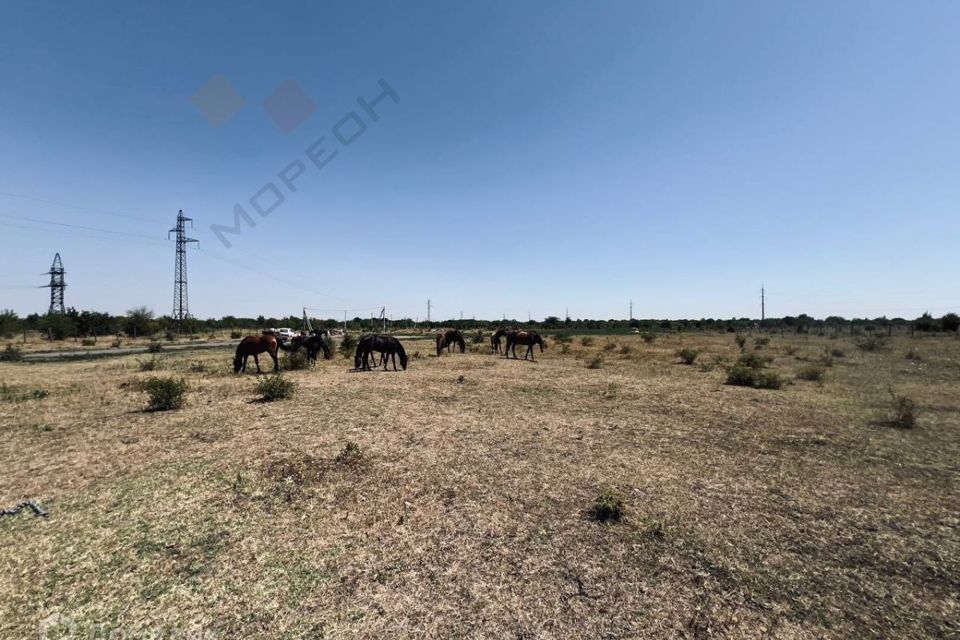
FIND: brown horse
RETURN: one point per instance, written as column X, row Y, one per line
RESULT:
column 254, row 346
column 448, row 339
column 528, row 338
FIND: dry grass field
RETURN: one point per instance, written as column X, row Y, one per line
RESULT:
column 454, row 499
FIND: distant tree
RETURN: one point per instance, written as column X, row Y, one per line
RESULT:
column 57, row 326
column 950, row 322
column 551, row 322
column 926, row 323
column 139, row 322
column 9, row 323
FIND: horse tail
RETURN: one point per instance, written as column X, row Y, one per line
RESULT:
column 238, row 358
column 402, row 354
column 461, row 342
column 439, row 344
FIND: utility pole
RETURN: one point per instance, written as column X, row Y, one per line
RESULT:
column 57, row 286
column 631, row 310
column 428, row 310
column 181, row 310
column 344, row 322
column 763, row 303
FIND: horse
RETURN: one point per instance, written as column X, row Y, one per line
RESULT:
column 253, row 346
column 495, row 338
column 528, row 338
column 313, row 344
column 448, row 339
column 388, row 346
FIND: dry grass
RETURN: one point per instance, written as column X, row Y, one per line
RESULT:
column 423, row 503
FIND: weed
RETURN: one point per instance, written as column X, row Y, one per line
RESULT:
column 903, row 412
column 147, row 365
column 351, row 455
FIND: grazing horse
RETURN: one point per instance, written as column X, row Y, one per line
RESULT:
column 388, row 346
column 313, row 344
column 528, row 338
column 495, row 339
column 448, row 339
column 253, row 346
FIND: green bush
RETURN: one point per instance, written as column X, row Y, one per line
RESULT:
column 164, row 393
column 275, row 387
column 608, row 506
column 11, row 354
column 687, row 355
column 348, row 345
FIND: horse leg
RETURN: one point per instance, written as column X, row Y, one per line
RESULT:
column 243, row 368
column 256, row 360
column 393, row 356
column 529, row 352
column 276, row 363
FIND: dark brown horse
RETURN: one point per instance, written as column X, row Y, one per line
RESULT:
column 495, row 339
column 313, row 344
column 388, row 346
column 528, row 338
column 448, row 339
column 254, row 346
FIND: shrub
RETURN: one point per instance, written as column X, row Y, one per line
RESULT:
column 164, row 393
column 626, row 350
column 826, row 360
column 236, row 335
column 608, row 506
column 749, row 371
column 564, row 349
column 198, row 367
column 116, row 344
column 154, row 347
column 348, row 345
column 913, row 355
column 760, row 343
column 147, row 365
column 741, row 340
column 275, row 387
column 791, row 351
column 609, row 346
column 294, row 361
column 11, row 354
column 351, row 454
column 169, row 335
column 586, row 341
column 595, row 363
column 648, row 337
column 478, row 337
column 687, row 355
column 837, row 353
column 903, row 412
column 88, row 342
column 563, row 338
column 872, row 343
column 812, row 372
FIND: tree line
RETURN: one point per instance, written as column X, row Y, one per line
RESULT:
column 141, row 321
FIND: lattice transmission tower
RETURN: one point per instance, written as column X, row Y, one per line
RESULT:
column 57, row 285
column 181, row 308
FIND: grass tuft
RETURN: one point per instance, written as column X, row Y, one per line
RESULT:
column 608, row 506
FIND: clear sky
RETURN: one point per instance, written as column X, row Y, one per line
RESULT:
column 542, row 156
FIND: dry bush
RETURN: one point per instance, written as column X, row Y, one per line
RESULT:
column 903, row 411
column 912, row 354
column 11, row 354
column 760, row 343
column 294, row 361
column 596, row 362
column 648, row 337
column 586, row 341
column 687, row 355
column 147, row 365
column 837, row 352
column 750, row 371
column 741, row 340
column 154, row 347
column 88, row 342
column 812, row 372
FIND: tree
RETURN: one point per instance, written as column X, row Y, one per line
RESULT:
column 139, row 322
column 9, row 323
column 950, row 322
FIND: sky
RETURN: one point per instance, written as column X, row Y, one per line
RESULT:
column 540, row 157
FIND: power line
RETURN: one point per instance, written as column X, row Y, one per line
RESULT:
column 77, row 226
column 77, row 207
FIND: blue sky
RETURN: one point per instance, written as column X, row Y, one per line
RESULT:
column 542, row 156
